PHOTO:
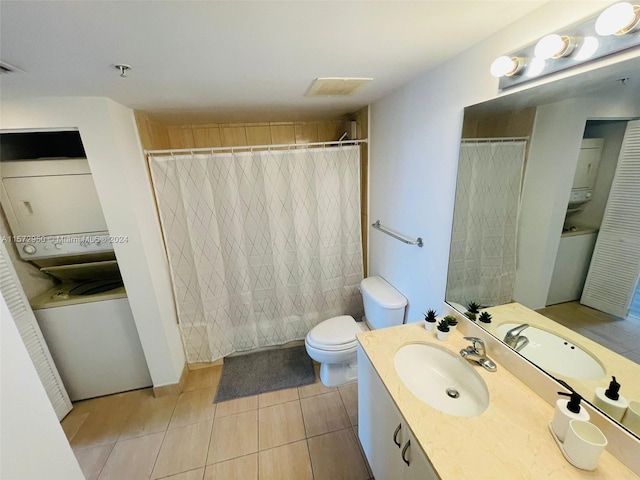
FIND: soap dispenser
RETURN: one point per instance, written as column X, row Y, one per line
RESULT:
column 610, row 401
column 567, row 410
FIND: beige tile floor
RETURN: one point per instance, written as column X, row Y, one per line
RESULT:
column 301, row 433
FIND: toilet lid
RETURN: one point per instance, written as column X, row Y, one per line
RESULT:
column 335, row 331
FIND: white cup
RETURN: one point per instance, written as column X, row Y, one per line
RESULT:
column 583, row 444
column 631, row 418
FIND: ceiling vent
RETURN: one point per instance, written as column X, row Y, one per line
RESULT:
column 336, row 87
column 6, row 68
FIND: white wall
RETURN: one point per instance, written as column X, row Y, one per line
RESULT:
column 551, row 165
column 414, row 143
column 110, row 139
column 32, row 442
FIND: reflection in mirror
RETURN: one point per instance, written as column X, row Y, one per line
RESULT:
column 546, row 226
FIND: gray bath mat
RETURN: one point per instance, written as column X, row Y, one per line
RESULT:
column 266, row 371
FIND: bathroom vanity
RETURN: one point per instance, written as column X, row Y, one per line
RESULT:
column 405, row 438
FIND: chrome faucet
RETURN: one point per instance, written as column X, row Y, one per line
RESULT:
column 476, row 352
column 514, row 339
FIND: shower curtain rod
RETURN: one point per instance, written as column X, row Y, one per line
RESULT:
column 495, row 139
column 250, row 148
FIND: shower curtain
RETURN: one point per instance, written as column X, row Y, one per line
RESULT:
column 482, row 263
column 262, row 245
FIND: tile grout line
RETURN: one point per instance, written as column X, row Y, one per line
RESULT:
column 155, row 462
column 304, row 424
column 166, row 430
column 306, row 436
column 359, row 445
column 79, row 427
column 213, row 421
column 180, row 473
column 113, row 447
column 258, row 440
column 313, row 473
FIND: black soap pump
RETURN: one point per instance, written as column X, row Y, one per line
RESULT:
column 612, row 391
column 567, row 410
column 573, row 405
column 610, row 401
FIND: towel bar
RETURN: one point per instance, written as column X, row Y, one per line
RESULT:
column 402, row 238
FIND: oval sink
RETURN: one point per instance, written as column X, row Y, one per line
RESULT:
column 556, row 354
column 441, row 379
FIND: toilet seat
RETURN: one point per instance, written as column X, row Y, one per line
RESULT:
column 335, row 334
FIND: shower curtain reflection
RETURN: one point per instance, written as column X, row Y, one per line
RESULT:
column 482, row 264
column 262, row 246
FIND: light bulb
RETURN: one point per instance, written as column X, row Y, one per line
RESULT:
column 618, row 19
column 535, row 67
column 504, row 66
column 550, row 46
column 587, row 49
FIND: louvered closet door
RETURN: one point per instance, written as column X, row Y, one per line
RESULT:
column 615, row 265
column 32, row 336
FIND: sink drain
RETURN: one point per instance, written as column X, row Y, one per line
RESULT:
column 452, row 392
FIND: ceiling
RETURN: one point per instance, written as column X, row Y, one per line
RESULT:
column 235, row 61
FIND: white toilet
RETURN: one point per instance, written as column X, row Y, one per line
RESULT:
column 332, row 343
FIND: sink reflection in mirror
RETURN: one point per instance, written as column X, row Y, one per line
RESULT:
column 441, row 379
column 555, row 354
column 534, row 221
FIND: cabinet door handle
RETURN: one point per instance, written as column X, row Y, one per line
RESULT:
column 395, row 435
column 404, row 450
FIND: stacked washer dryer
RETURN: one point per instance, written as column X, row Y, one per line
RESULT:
column 57, row 223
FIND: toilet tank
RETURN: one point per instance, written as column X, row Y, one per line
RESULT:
column 383, row 305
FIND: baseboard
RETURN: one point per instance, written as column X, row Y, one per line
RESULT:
column 196, row 366
column 174, row 388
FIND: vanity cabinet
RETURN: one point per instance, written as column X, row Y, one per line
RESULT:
column 387, row 441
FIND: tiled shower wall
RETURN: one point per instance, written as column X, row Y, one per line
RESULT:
column 155, row 136
column 499, row 124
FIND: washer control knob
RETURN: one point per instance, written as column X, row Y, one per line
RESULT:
column 58, row 246
column 29, row 249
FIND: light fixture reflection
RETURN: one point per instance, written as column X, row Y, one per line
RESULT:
column 535, row 67
column 618, row 19
column 554, row 46
column 505, row 66
column 587, row 49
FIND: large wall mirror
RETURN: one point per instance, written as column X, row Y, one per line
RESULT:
column 547, row 225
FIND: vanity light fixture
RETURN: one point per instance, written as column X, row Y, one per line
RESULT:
column 593, row 38
column 618, row 19
column 505, row 66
